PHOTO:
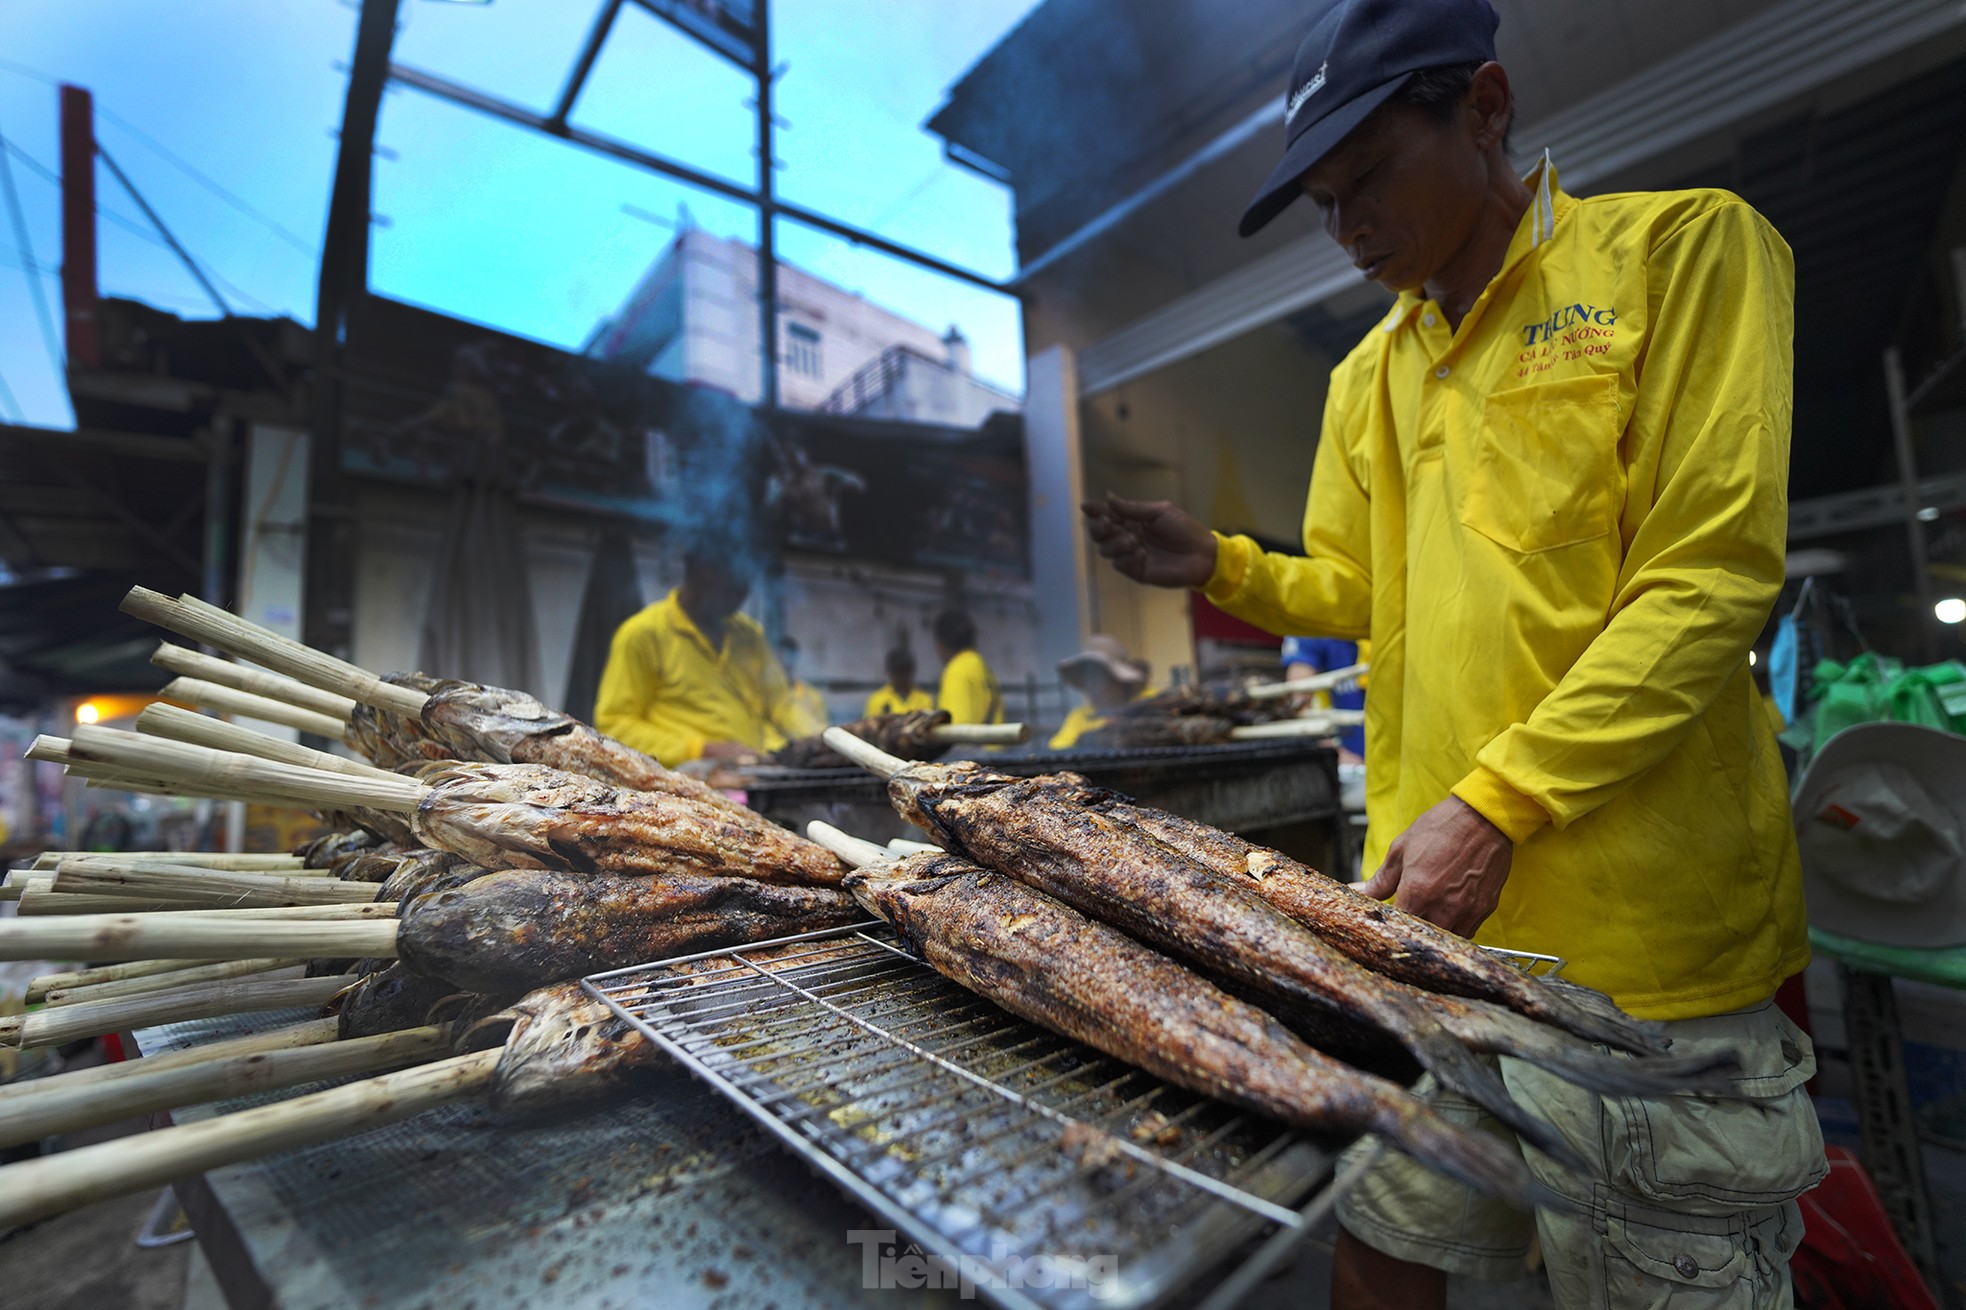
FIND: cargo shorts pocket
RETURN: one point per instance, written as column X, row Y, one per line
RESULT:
column 1543, row 470
column 1659, row 1260
column 1717, row 1155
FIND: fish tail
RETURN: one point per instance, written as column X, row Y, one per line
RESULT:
column 1444, row 1056
column 1499, row 1031
column 1591, row 1014
column 1482, row 1161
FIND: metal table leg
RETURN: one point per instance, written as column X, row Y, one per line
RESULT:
column 1884, row 1116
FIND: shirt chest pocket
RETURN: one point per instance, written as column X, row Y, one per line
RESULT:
column 1542, row 471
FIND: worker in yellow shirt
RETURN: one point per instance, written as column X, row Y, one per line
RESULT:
column 1107, row 679
column 901, row 695
column 691, row 678
column 1551, row 486
column 969, row 690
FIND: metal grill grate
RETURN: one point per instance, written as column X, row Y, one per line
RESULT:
column 1052, row 1174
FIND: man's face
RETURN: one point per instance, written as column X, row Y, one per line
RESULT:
column 717, row 589
column 1402, row 194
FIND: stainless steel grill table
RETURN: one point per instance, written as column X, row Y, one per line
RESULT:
column 1034, row 1169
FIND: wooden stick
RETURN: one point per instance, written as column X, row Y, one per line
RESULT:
column 191, row 617
column 50, row 902
column 215, row 734
column 983, row 734
column 40, row 897
column 48, row 983
column 852, row 849
column 35, row 1189
column 67, row 1023
column 232, row 701
column 208, row 859
column 274, row 686
column 867, row 755
column 1316, row 682
column 163, row 982
column 14, row 885
column 901, row 847
column 217, row 888
column 1326, row 723
column 108, row 861
column 310, row 1033
column 226, row 769
column 192, row 935
column 150, row 1090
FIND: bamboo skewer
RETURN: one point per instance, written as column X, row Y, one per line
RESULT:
column 35, row 1189
column 116, row 861
column 213, row 935
column 868, row 756
column 191, row 617
column 66, row 1023
column 201, row 766
column 145, row 1091
column 1316, row 682
column 980, row 734
column 901, row 847
column 61, row 750
column 75, row 1081
column 217, row 889
column 195, row 971
column 232, row 701
column 53, row 904
column 215, row 734
column 41, row 898
column 1324, row 723
column 205, row 859
column 47, row 983
column 854, row 850
column 240, row 677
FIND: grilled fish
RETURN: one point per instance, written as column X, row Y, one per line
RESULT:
column 1040, row 959
column 562, row 1047
column 909, row 736
column 531, row 816
column 388, row 1001
column 509, row 931
column 1389, row 940
column 1037, row 831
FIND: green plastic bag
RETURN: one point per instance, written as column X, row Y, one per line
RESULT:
column 1875, row 688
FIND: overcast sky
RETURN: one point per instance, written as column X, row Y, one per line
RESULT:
column 222, row 113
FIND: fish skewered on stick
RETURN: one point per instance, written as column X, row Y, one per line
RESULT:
column 1044, row 961
column 911, row 735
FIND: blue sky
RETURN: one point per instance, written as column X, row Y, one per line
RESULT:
column 483, row 220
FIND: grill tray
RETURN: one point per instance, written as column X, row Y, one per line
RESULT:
column 1015, row 1155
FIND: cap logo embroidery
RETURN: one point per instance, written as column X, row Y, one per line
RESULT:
column 1303, row 93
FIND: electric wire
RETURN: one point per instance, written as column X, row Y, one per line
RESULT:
column 35, row 290
column 177, row 247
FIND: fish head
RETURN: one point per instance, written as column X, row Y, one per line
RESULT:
column 891, row 890
column 563, row 1045
column 479, row 722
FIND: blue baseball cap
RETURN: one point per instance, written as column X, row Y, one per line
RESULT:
column 1358, row 53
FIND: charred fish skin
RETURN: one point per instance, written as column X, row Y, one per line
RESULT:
column 1038, row 833
column 1044, row 961
column 389, row 1001
column 531, row 816
column 1391, row 941
column 563, row 1047
column 509, row 931
column 909, row 735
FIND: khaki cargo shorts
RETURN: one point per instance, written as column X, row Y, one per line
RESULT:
column 1692, row 1204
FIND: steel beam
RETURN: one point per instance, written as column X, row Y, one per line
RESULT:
column 444, row 89
column 585, row 64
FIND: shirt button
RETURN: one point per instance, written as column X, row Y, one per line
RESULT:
column 1442, row 371
column 1687, row 1266
column 1428, row 319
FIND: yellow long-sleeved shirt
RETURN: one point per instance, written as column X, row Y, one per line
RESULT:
column 889, row 701
column 666, row 691
column 969, row 690
column 1563, row 526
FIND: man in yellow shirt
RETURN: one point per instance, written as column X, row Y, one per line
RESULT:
column 1551, row 487
column 804, row 714
column 691, row 678
column 969, row 690
column 1107, row 678
column 900, row 695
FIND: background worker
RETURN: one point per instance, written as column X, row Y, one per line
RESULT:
column 1551, row 485
column 691, row 678
column 1107, row 678
column 1305, row 656
column 804, row 714
column 969, row 690
column 901, row 695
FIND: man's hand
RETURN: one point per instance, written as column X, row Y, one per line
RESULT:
column 1152, row 541
column 1448, row 868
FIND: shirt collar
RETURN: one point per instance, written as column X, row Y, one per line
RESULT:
column 680, row 620
column 1548, row 205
